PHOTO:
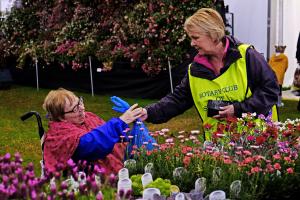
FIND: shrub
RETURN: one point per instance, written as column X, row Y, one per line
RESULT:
column 146, row 33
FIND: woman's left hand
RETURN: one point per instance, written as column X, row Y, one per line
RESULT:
column 226, row 111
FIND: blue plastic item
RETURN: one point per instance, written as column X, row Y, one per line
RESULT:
column 120, row 105
column 139, row 130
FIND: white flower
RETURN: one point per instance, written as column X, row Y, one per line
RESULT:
column 165, row 130
column 195, row 132
column 189, row 154
column 192, row 137
column 169, row 140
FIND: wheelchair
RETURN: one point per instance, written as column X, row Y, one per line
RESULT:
column 41, row 132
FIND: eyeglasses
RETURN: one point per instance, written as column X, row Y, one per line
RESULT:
column 76, row 107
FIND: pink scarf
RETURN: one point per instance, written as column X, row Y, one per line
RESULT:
column 62, row 139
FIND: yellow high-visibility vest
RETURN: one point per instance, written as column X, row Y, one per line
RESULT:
column 232, row 85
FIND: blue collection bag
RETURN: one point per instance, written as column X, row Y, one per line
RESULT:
column 139, row 130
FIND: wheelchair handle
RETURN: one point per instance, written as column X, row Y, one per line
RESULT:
column 38, row 118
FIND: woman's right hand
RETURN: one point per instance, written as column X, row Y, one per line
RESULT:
column 131, row 114
column 144, row 115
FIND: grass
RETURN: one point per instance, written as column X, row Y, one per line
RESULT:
column 19, row 136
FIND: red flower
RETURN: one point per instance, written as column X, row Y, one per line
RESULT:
column 146, row 41
column 235, row 137
column 272, row 131
column 287, row 133
column 260, row 140
column 207, row 126
column 231, row 119
column 186, row 160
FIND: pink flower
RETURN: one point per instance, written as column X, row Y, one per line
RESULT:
column 186, row 160
column 288, row 159
column 276, row 156
column 248, row 153
column 255, row 170
column 277, row 166
column 248, row 160
column 227, row 161
column 290, row 170
column 250, row 138
column 270, row 168
column 169, row 140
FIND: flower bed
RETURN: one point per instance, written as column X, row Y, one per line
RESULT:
column 249, row 158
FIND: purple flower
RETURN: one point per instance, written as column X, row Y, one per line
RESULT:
column 33, row 195
column 128, row 194
column 15, row 182
column 71, row 196
column 82, row 187
column 121, row 193
column 99, row 196
column 18, row 158
column 71, row 163
column 53, row 188
column 23, row 190
column 57, row 175
column 64, row 185
column 30, row 167
column 112, row 179
column 12, row 190
column 94, row 187
column 6, row 158
column 5, row 179
column 42, row 196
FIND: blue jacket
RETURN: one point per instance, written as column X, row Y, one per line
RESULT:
column 99, row 142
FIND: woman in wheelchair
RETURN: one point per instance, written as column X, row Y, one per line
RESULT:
column 76, row 134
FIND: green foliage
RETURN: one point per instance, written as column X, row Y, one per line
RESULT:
column 162, row 184
column 145, row 32
column 137, row 186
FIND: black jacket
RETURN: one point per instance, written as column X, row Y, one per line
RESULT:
column 261, row 81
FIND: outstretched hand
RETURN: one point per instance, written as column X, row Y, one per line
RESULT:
column 133, row 113
column 144, row 115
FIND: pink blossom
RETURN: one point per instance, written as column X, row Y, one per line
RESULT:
column 288, row 159
column 255, row 170
column 276, row 156
column 169, row 140
column 248, row 153
column 227, row 161
column 277, row 166
column 248, row 160
column 290, row 170
column 250, row 138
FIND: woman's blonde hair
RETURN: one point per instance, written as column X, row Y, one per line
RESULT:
column 55, row 102
column 206, row 21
